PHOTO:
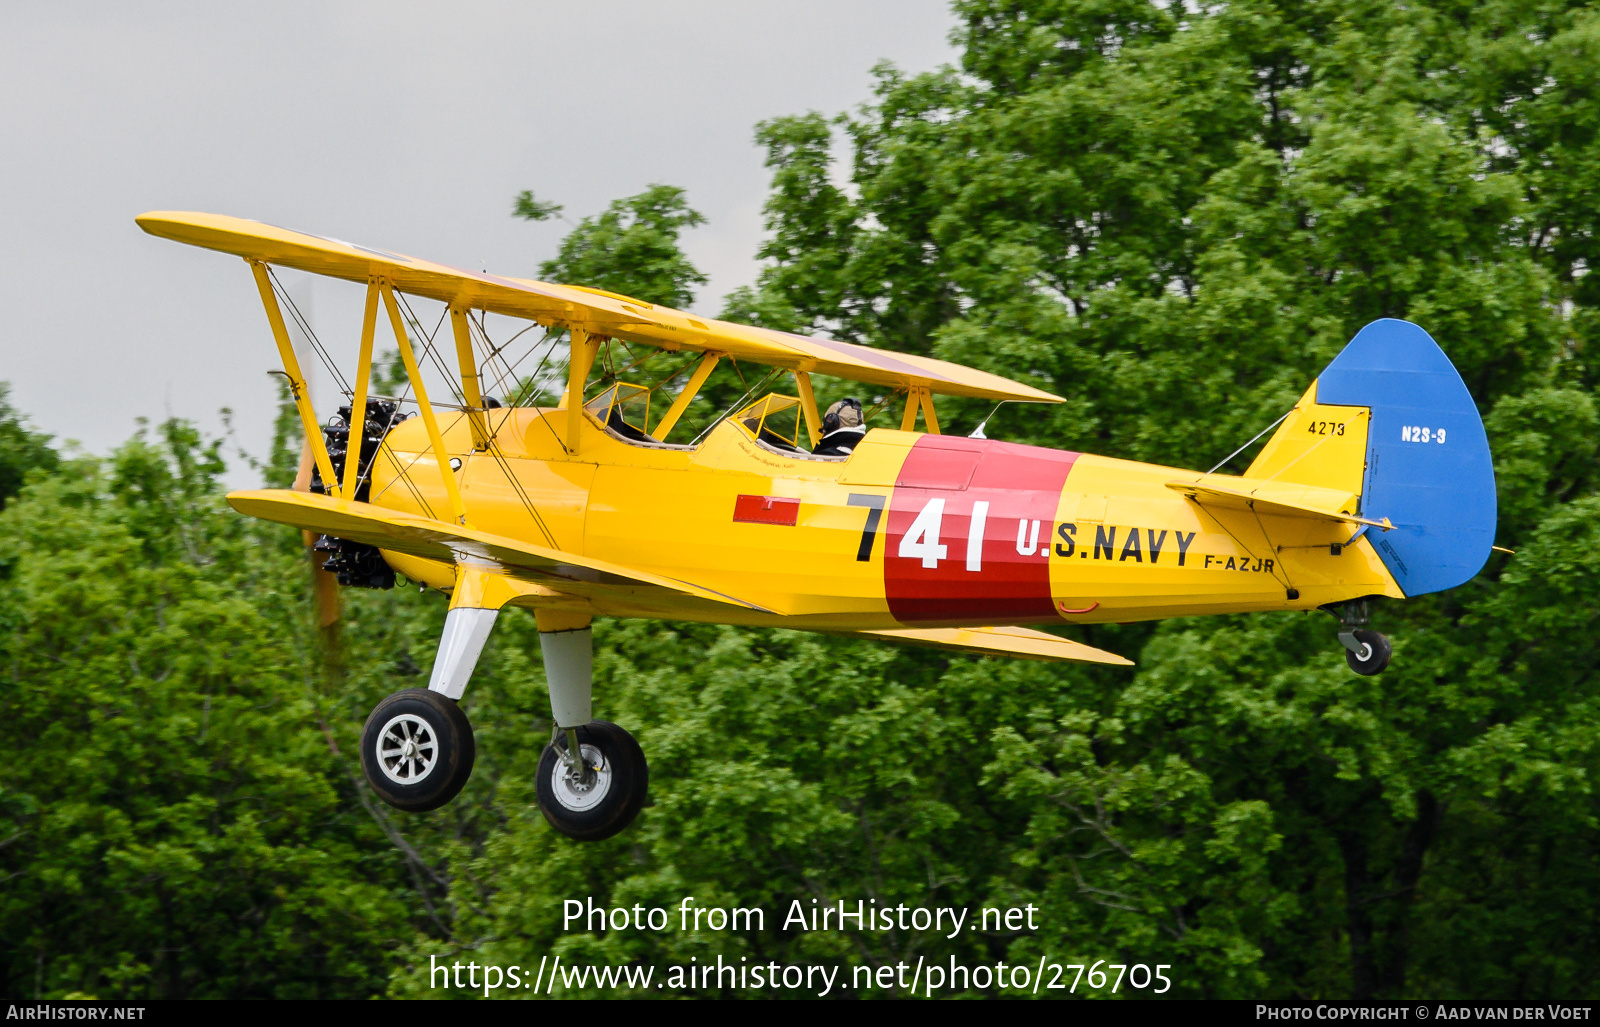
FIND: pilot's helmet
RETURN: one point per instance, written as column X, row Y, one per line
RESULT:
column 846, row 413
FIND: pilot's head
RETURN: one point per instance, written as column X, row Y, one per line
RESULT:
column 846, row 413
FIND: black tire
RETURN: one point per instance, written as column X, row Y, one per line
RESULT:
column 624, row 777
column 435, row 724
column 1376, row 656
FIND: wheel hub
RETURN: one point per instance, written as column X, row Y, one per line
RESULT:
column 576, row 790
column 407, row 749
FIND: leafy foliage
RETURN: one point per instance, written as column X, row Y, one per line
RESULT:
column 21, row 449
column 631, row 248
column 530, row 209
column 175, row 816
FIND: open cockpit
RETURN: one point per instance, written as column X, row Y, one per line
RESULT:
column 774, row 421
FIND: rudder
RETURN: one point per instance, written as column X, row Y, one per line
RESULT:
column 1410, row 440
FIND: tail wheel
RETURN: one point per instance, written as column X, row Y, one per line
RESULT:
column 600, row 798
column 1373, row 654
column 417, row 750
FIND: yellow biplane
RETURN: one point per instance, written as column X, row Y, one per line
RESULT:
column 1377, row 483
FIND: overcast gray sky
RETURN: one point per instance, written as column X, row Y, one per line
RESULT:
column 405, row 126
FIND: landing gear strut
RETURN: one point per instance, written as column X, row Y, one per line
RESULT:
column 1367, row 652
column 417, row 748
column 592, row 777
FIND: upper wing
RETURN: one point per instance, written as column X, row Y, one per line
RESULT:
column 436, row 540
column 1009, row 641
column 1282, row 499
column 600, row 312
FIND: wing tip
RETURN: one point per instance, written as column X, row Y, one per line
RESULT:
column 152, row 218
column 154, row 221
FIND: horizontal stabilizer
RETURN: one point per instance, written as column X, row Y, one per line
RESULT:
column 1283, row 500
column 437, row 540
column 1008, row 641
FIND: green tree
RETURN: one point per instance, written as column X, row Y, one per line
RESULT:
column 174, row 822
column 21, row 449
column 631, row 248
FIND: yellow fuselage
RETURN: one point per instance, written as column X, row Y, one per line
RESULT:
column 910, row 530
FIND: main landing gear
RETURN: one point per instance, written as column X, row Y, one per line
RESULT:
column 417, row 748
column 592, row 776
column 599, row 795
column 1367, row 652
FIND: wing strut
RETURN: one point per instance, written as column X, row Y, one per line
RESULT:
column 690, row 389
column 446, row 472
column 920, row 397
column 808, row 404
column 358, row 405
column 471, row 390
column 297, row 381
column 583, row 348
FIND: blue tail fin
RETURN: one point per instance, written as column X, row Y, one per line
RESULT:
column 1428, row 465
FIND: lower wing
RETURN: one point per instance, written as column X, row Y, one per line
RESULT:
column 449, row 543
column 1008, row 641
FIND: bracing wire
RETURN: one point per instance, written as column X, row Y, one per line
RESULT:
column 533, row 386
column 677, row 371
column 428, row 346
column 404, row 475
column 492, row 449
column 649, row 355
column 495, row 350
column 404, row 472
column 522, row 494
column 873, row 410
column 552, row 335
column 305, row 328
column 533, row 383
column 1252, row 442
column 759, row 385
column 494, row 452
column 492, row 355
column 333, row 370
